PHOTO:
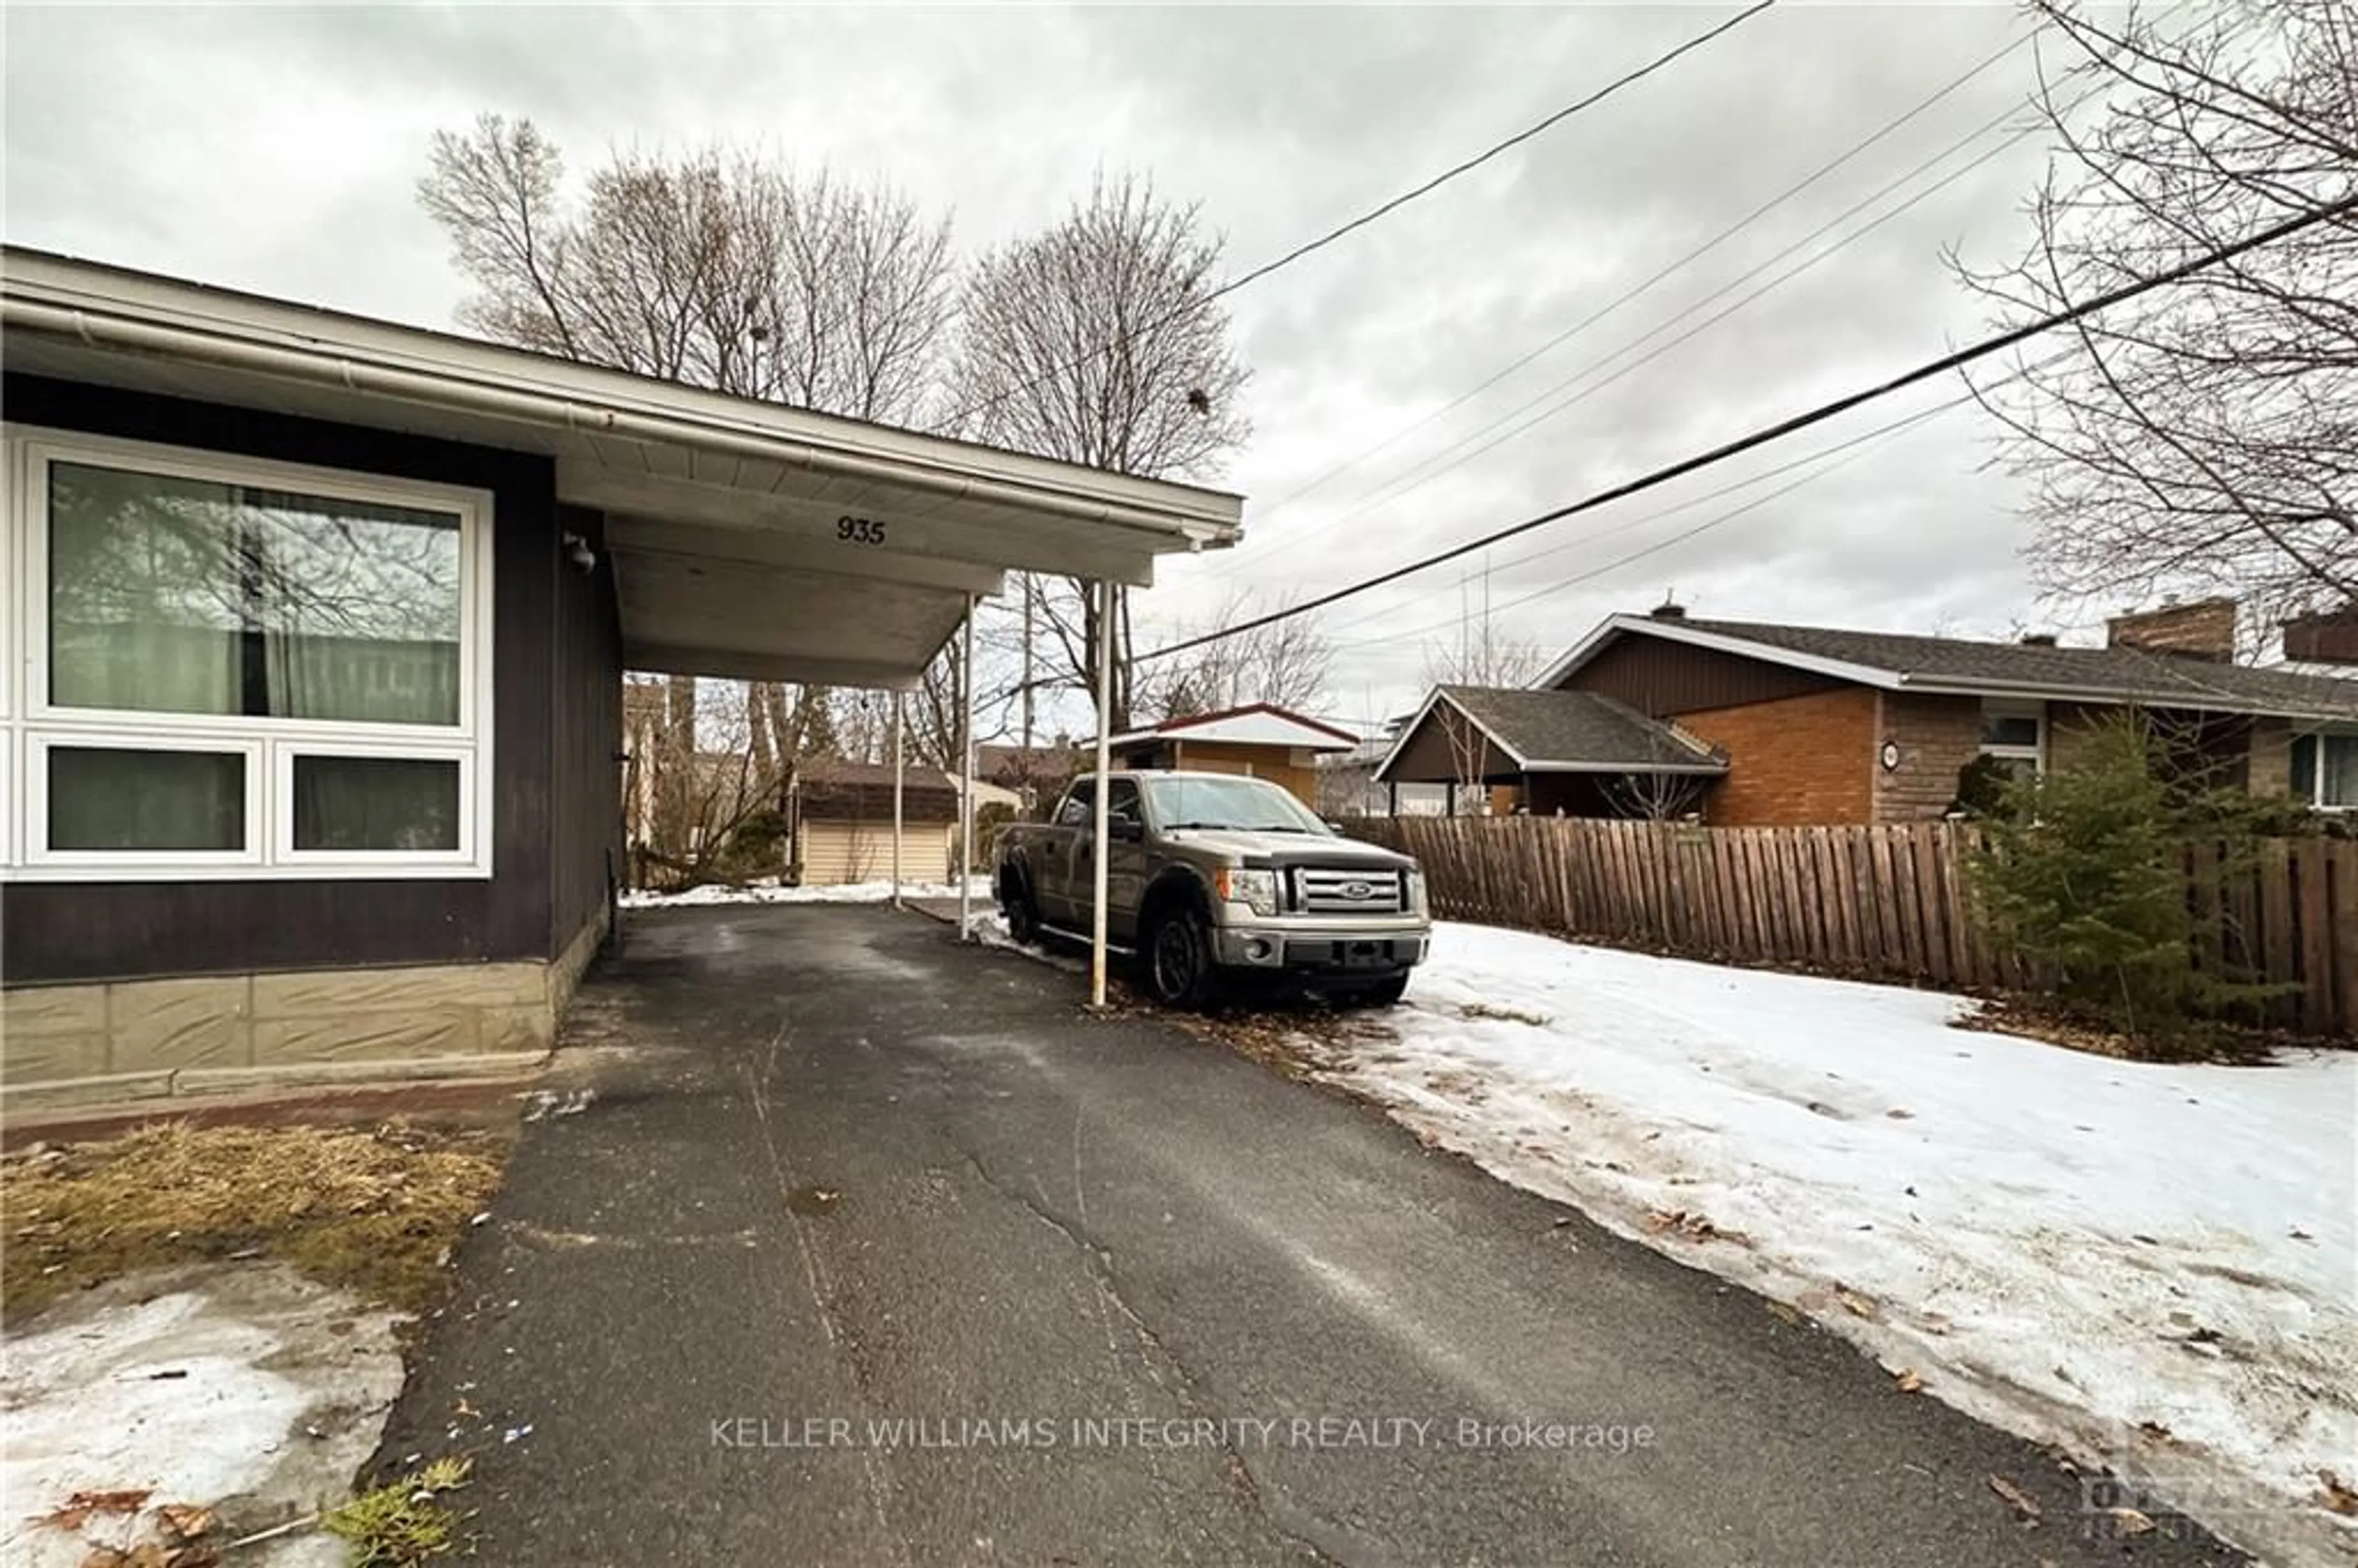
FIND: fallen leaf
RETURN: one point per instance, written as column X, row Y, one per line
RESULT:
column 2016, row 1497
column 2297, row 1234
column 2154, row 1430
column 1788, row 1314
column 81, row 1504
column 1908, row 1382
column 187, row 1520
column 1896, row 1114
column 2334, row 1494
column 1856, row 1305
column 2129, row 1521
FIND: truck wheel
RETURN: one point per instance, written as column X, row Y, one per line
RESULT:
column 1023, row 912
column 1179, row 961
column 1385, row 992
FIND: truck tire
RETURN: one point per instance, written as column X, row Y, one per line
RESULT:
column 1177, row 956
column 1021, row 910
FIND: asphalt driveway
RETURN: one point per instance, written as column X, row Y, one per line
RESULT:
column 831, row 1241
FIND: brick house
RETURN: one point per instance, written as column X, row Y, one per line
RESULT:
column 1815, row 724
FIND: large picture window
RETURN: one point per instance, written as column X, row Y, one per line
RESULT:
column 251, row 667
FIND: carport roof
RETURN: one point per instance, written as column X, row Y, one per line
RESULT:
column 748, row 538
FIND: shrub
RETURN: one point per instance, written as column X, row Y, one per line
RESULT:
column 2082, row 872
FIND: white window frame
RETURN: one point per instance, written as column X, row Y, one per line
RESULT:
column 2004, row 707
column 272, row 743
column 39, row 857
column 2317, row 801
column 282, row 790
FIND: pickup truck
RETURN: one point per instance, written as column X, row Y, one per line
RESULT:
column 1209, row 876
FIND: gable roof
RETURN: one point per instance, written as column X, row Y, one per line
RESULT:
column 1898, row 662
column 1564, row 731
column 1255, row 724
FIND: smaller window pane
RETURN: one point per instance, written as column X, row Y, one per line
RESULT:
column 376, row 803
column 2304, row 767
column 2338, row 770
column 2010, row 729
column 106, row 798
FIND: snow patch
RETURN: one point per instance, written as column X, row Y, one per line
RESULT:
column 202, row 1386
column 2156, row 1265
column 771, row 892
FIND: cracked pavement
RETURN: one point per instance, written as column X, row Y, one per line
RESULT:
column 857, row 1247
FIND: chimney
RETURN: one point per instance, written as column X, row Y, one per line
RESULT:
column 2327, row 637
column 1669, row 610
column 2037, row 639
column 2203, row 630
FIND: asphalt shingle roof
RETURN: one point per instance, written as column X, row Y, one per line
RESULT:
column 2126, row 673
column 1584, row 727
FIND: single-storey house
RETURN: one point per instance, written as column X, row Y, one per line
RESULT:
column 314, row 631
column 1779, row 725
column 1261, row 739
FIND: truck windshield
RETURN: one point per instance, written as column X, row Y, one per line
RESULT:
column 1252, row 805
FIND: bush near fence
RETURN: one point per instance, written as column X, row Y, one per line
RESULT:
column 1879, row 903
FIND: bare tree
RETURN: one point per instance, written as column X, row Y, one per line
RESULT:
column 1481, row 657
column 1656, row 798
column 1285, row 663
column 1097, row 341
column 2207, row 432
column 716, row 268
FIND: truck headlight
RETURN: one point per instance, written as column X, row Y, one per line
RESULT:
column 1416, row 904
column 1255, row 890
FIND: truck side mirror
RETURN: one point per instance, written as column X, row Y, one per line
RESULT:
column 1125, row 830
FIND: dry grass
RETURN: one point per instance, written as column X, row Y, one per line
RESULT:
column 375, row 1211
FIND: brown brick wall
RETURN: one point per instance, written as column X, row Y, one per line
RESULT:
column 2271, row 764
column 1937, row 737
column 1796, row 761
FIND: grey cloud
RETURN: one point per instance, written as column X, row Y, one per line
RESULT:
column 276, row 149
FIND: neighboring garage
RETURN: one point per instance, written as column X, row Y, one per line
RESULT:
column 1259, row 740
column 841, row 824
column 315, row 628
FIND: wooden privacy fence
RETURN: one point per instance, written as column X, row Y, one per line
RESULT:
column 1885, row 902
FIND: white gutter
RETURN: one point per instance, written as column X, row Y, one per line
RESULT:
column 451, row 386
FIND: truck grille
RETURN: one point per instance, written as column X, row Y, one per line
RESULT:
column 1347, row 891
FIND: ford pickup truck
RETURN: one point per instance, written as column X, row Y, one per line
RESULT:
column 1210, row 876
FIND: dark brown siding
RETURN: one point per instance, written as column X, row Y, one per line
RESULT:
column 1660, row 678
column 88, row 931
column 1439, row 748
column 586, row 702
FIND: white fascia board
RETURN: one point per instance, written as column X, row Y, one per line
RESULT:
column 110, row 307
column 1407, row 732
column 1711, row 770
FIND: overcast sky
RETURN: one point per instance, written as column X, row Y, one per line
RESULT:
column 276, row 150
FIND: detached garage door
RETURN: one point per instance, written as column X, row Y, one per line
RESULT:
column 838, row 852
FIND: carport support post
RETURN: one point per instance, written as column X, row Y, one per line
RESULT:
column 965, row 778
column 1105, row 765
column 898, row 701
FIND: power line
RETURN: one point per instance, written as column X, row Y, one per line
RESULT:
column 1648, row 284
column 1805, row 461
column 1956, row 360
column 1423, row 472
column 1457, row 454
column 1857, row 448
column 1373, row 214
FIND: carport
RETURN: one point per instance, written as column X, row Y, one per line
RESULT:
column 597, row 521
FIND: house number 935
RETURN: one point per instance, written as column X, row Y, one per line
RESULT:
column 860, row 530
